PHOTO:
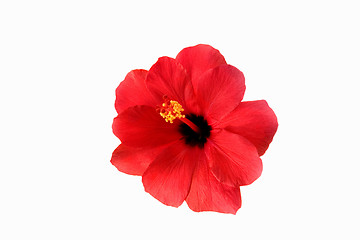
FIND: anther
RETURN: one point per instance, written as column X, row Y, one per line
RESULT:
column 171, row 110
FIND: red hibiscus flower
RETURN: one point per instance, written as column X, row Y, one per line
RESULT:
column 184, row 128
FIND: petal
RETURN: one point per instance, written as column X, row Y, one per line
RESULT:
column 200, row 58
column 168, row 178
column 219, row 91
column 132, row 91
column 134, row 161
column 233, row 159
column 255, row 121
column 142, row 126
column 168, row 77
column 208, row 194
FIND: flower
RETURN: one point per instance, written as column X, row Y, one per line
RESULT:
column 184, row 128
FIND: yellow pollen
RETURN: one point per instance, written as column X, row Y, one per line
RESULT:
column 170, row 110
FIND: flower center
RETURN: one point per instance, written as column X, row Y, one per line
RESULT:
column 195, row 129
column 193, row 138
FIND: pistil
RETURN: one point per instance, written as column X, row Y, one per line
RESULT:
column 190, row 124
column 171, row 110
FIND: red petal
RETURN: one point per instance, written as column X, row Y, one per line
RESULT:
column 168, row 178
column 208, row 194
column 219, row 91
column 134, row 161
column 255, row 121
column 168, row 77
column 233, row 159
column 200, row 58
column 142, row 126
column 132, row 91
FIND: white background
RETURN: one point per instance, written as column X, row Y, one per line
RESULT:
column 60, row 62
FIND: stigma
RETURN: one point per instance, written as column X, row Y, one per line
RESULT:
column 171, row 110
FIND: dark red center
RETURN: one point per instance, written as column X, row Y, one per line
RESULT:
column 193, row 138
